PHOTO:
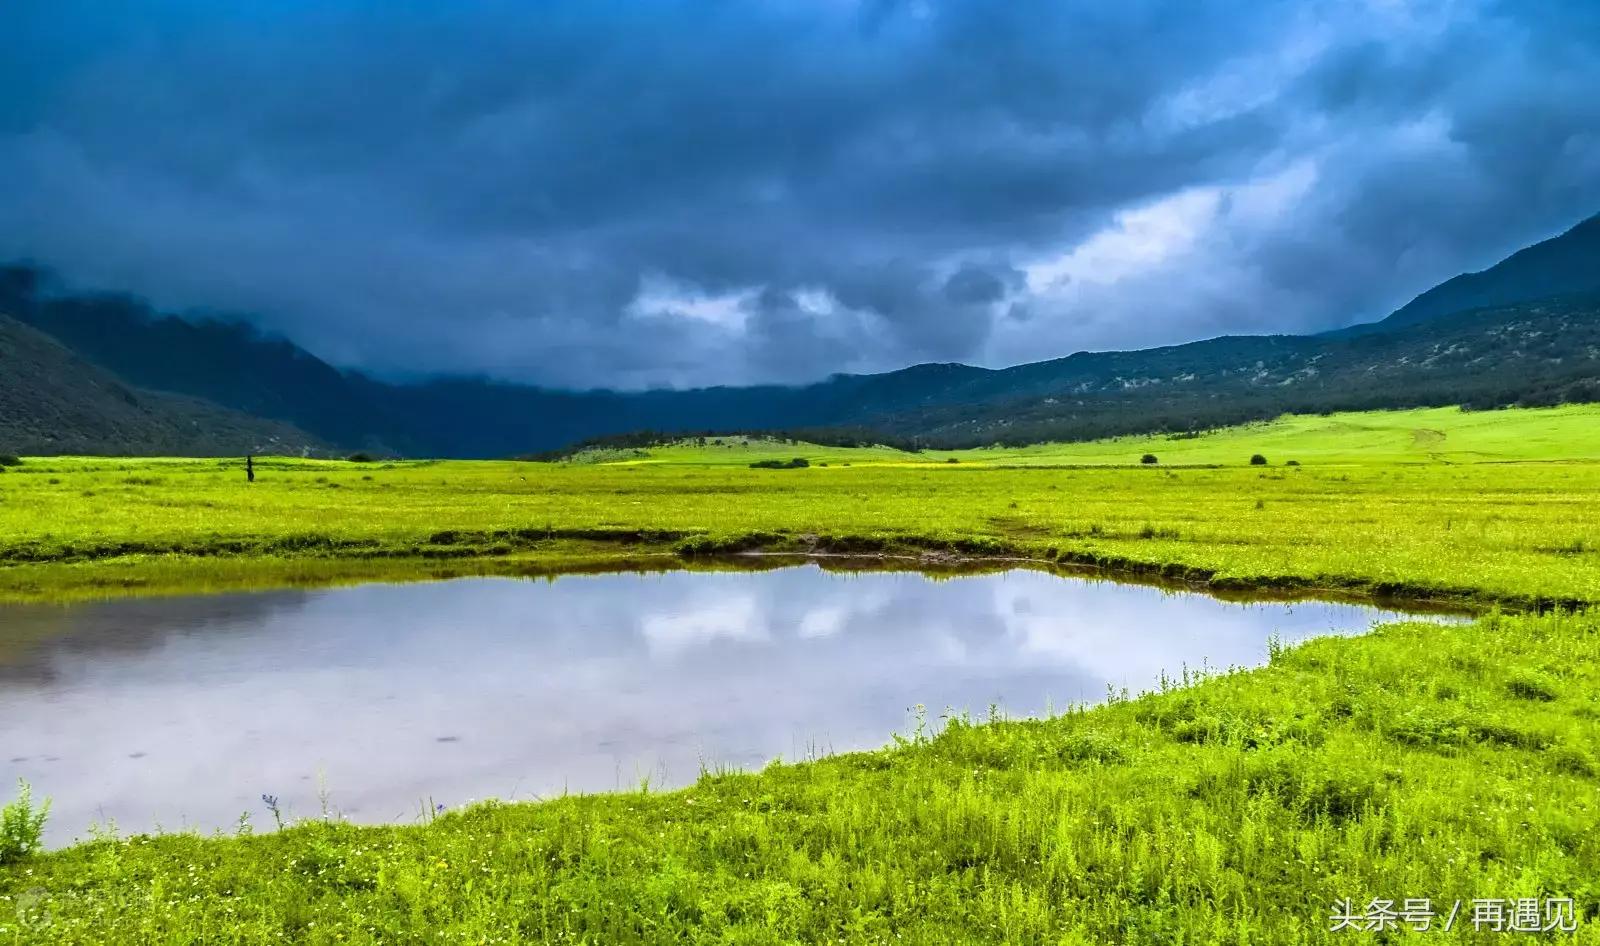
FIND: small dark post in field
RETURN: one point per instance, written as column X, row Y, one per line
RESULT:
column 1258, row 460
column 250, row 469
column 1148, row 458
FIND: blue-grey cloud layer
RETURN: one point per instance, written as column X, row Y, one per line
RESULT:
column 590, row 192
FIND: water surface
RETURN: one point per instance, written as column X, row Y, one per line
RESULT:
column 184, row 711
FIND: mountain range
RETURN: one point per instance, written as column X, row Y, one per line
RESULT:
column 52, row 401
column 107, row 373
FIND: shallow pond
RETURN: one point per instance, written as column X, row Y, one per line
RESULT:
column 185, row 711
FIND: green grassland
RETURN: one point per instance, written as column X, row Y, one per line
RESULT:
column 1439, row 435
column 1349, row 516
column 1449, row 762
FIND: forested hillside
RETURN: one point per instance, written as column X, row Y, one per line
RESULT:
column 1564, row 265
column 53, row 402
column 1531, row 354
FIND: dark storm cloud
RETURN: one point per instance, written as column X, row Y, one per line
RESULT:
column 975, row 285
column 818, row 185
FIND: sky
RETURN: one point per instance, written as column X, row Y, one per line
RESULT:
column 666, row 193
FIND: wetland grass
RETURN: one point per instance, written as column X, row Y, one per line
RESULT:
column 1520, row 533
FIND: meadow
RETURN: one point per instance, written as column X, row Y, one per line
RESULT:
column 1419, row 761
column 1497, row 506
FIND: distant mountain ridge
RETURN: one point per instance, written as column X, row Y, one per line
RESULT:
column 1523, row 331
column 54, row 402
column 1564, row 265
column 1528, row 354
column 224, row 361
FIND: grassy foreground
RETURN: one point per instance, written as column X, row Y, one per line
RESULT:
column 1451, row 763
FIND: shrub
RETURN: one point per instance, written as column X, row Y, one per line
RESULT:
column 362, row 457
column 1148, row 458
column 1573, row 761
column 1092, row 746
column 795, row 464
column 7, row 459
column 1292, row 463
column 20, row 826
column 952, row 460
column 1258, row 460
column 1528, row 686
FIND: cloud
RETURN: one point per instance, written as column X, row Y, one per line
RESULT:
column 667, row 192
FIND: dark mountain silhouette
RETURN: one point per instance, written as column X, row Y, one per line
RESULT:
column 1522, row 332
column 225, row 361
column 54, row 402
column 1563, row 265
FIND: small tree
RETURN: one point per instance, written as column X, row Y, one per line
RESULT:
column 1148, row 458
column 1258, row 460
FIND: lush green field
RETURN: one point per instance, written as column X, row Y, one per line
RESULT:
column 1451, row 762
column 1348, row 516
column 1441, row 435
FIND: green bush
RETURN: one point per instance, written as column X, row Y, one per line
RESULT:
column 7, row 459
column 795, row 464
column 362, row 457
column 1148, row 458
column 20, row 826
column 1258, row 460
column 1530, row 686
